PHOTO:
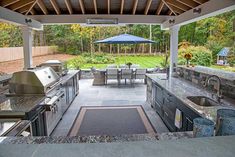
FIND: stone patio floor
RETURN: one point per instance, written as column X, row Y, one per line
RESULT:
column 109, row 95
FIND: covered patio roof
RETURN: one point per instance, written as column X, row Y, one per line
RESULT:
column 170, row 14
column 163, row 12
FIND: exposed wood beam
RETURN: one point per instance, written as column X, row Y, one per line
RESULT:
column 95, row 6
column 6, row 3
column 108, row 1
column 42, row 6
column 31, row 10
column 68, row 5
column 149, row 2
column 168, row 6
column 7, row 15
column 55, row 6
column 188, row 3
column 20, row 4
column 177, row 10
column 122, row 19
column 122, row 6
column 134, row 7
column 169, row 12
column 82, row 6
column 159, row 8
column 209, row 9
column 178, row 5
column 200, row 1
column 24, row 9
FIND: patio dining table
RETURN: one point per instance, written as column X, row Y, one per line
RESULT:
column 100, row 76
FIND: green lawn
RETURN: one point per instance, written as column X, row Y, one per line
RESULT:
column 143, row 61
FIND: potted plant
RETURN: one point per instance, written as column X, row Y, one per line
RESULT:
column 129, row 64
column 188, row 56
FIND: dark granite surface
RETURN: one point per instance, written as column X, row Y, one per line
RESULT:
column 182, row 89
column 95, row 139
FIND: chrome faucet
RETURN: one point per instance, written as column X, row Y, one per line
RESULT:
column 218, row 95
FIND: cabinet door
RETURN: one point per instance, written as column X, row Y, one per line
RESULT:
column 187, row 123
column 169, row 119
column 158, row 99
column 149, row 92
column 158, row 94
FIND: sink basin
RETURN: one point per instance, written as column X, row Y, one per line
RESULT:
column 203, row 101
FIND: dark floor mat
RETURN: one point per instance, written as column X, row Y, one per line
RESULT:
column 111, row 121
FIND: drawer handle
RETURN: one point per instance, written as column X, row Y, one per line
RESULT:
column 166, row 114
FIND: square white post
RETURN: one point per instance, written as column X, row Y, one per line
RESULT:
column 27, row 47
column 174, row 31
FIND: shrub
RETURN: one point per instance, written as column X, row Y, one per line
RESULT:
column 201, row 55
column 76, row 63
column 215, row 47
column 231, row 57
column 99, row 58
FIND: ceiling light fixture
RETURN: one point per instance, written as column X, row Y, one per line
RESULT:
column 172, row 21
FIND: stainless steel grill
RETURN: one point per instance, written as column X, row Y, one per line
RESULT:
column 59, row 67
column 41, row 81
column 35, row 81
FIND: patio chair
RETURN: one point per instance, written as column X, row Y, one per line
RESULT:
column 112, row 73
column 123, row 66
column 140, row 74
column 112, row 66
column 127, row 74
column 135, row 66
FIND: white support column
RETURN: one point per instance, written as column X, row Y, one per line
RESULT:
column 27, row 47
column 173, row 47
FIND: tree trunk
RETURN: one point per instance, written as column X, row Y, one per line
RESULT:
column 234, row 29
column 82, row 45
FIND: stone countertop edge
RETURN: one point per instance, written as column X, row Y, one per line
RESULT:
column 181, row 89
column 227, row 75
column 69, row 75
column 96, row 139
column 196, row 147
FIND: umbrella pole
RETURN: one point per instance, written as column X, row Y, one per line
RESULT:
column 125, row 54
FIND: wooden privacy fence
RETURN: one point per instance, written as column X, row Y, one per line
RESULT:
column 14, row 53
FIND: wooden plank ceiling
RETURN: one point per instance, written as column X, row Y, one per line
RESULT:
column 122, row 7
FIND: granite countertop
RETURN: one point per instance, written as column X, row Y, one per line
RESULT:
column 18, row 105
column 70, row 74
column 211, row 71
column 182, row 89
column 195, row 147
column 95, row 139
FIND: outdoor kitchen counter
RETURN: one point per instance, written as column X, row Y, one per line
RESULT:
column 68, row 76
column 194, row 147
column 181, row 89
column 18, row 105
column 95, row 139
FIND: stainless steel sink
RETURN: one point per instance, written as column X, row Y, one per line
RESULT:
column 203, row 101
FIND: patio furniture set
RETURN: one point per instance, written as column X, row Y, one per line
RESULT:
column 112, row 72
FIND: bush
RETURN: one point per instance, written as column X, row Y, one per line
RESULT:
column 231, row 57
column 201, row 55
column 76, row 63
column 99, row 58
column 215, row 47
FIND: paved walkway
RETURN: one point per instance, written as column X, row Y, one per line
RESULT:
column 110, row 95
column 17, row 65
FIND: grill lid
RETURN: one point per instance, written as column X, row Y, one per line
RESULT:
column 35, row 81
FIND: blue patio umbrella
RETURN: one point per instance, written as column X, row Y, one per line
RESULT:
column 125, row 39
